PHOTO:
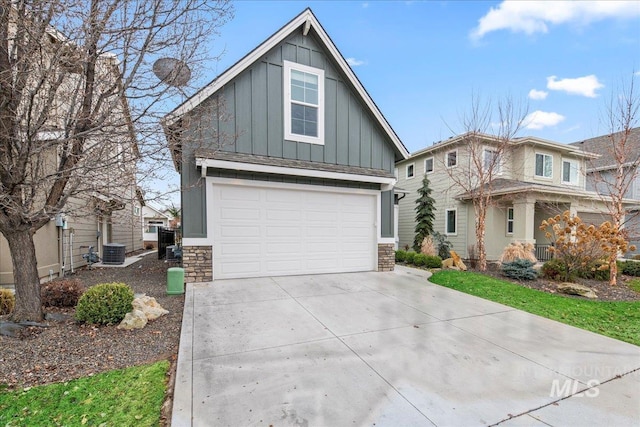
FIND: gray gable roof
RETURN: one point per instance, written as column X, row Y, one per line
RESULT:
column 603, row 145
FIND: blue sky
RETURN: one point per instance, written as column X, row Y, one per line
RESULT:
column 421, row 61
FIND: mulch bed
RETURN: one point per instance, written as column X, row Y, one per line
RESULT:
column 604, row 291
column 67, row 350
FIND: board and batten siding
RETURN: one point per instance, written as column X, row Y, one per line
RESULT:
column 246, row 116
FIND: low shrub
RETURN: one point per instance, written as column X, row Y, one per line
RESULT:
column 401, row 255
column 409, row 257
column 7, row 301
column 433, row 262
column 631, row 268
column 636, row 257
column 519, row 269
column 444, row 246
column 556, row 270
column 105, row 304
column 419, row 260
column 61, row 293
column 598, row 270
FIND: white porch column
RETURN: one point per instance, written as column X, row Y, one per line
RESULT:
column 524, row 220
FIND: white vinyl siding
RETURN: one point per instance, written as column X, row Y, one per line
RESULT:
column 544, row 165
column 303, row 103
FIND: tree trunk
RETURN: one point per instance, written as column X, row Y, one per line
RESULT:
column 613, row 269
column 25, row 276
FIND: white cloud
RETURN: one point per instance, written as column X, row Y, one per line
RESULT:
column 585, row 86
column 542, row 119
column 365, row 5
column 637, row 73
column 531, row 17
column 355, row 62
column 538, row 94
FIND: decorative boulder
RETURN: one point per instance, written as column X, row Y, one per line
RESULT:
column 133, row 320
column 575, row 289
column 447, row 263
column 149, row 306
column 457, row 261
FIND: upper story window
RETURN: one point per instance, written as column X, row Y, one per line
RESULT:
column 303, row 103
column 428, row 165
column 570, row 170
column 411, row 170
column 544, row 165
column 452, row 158
column 491, row 161
column 509, row 220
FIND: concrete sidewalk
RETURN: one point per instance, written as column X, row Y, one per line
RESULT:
column 389, row 349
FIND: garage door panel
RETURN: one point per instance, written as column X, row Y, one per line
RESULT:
column 239, row 213
column 261, row 231
column 230, row 231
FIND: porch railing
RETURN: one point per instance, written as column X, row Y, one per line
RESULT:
column 542, row 253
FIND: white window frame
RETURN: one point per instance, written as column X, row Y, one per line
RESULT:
column 510, row 220
column 535, row 172
column 395, row 173
column 572, row 163
column 446, row 222
column 136, row 210
column 433, row 165
column 498, row 167
column 446, row 159
column 288, row 135
column 406, row 171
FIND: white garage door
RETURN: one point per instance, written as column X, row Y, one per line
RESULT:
column 262, row 231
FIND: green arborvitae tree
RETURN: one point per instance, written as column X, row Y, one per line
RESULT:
column 425, row 207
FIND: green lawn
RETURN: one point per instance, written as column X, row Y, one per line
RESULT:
column 127, row 397
column 619, row 320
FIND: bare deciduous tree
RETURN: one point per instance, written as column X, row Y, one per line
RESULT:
column 614, row 179
column 483, row 156
column 79, row 100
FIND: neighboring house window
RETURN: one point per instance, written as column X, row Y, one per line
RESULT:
column 303, row 103
column 491, row 161
column 544, row 165
column 136, row 210
column 428, row 165
column 410, row 170
column 395, row 172
column 452, row 158
column 451, row 221
column 152, row 226
column 570, row 172
column 509, row 220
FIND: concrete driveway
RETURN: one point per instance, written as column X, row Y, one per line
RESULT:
column 389, row 349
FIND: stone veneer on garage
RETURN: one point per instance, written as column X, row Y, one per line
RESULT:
column 197, row 263
column 386, row 256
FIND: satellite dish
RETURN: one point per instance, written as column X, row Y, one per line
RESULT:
column 172, row 71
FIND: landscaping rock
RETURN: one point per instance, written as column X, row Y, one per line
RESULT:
column 133, row 320
column 575, row 289
column 149, row 306
column 457, row 261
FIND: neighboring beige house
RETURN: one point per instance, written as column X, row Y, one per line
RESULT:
column 104, row 205
column 152, row 219
column 536, row 179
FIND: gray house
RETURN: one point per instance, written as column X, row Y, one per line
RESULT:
column 286, row 165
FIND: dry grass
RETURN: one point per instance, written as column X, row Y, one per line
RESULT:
column 518, row 250
column 428, row 247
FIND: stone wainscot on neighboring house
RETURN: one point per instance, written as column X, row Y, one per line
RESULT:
column 286, row 165
column 536, row 179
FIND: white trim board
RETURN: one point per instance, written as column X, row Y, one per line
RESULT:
column 281, row 170
column 305, row 18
